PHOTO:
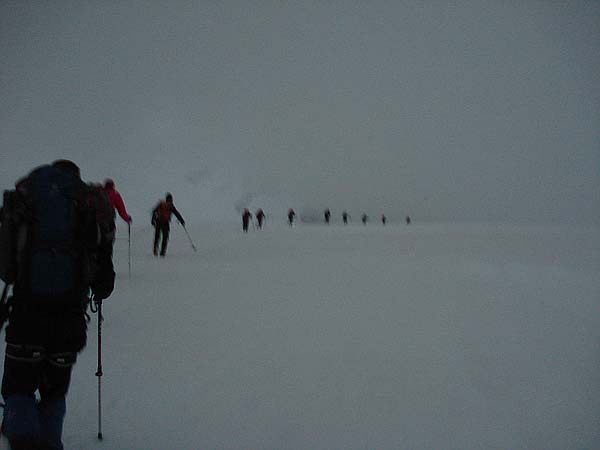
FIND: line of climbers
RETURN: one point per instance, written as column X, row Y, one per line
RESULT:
column 291, row 217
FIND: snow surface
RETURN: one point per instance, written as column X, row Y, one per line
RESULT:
column 315, row 337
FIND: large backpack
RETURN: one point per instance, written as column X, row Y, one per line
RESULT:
column 48, row 229
column 12, row 235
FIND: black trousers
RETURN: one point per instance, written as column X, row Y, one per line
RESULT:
column 161, row 230
column 42, row 347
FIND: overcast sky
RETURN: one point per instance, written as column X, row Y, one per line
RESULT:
column 468, row 110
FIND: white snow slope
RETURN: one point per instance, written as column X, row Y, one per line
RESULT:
column 315, row 337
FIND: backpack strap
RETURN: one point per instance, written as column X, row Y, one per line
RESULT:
column 5, row 306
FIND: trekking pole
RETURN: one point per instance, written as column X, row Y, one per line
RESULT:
column 129, row 246
column 190, row 239
column 99, row 370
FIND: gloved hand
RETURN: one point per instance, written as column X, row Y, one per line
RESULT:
column 183, row 223
column 103, row 285
column 129, row 220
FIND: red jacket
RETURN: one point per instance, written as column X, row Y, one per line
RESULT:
column 116, row 201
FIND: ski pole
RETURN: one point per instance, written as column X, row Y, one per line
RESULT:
column 190, row 239
column 129, row 246
column 99, row 370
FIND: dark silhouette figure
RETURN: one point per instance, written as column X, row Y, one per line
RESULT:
column 161, row 220
column 246, row 217
column 407, row 220
column 291, row 215
column 364, row 218
column 345, row 217
column 383, row 219
column 260, row 218
column 327, row 216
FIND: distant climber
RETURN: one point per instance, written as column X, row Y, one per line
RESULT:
column 161, row 219
column 291, row 215
column 260, row 218
column 246, row 217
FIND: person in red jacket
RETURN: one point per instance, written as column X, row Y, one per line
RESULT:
column 161, row 219
column 116, row 201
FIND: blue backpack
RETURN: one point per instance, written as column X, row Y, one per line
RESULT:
column 46, row 231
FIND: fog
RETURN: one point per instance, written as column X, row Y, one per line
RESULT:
column 472, row 112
